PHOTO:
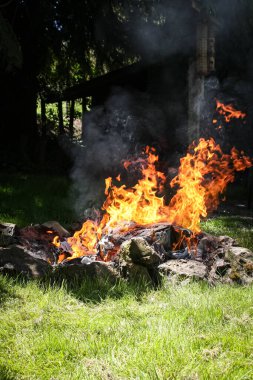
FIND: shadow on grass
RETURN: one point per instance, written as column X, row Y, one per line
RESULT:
column 7, row 374
column 237, row 222
column 26, row 199
column 94, row 290
column 86, row 290
column 6, row 289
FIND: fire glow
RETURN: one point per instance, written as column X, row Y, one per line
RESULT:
column 202, row 178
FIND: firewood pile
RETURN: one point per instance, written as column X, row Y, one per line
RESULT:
column 148, row 253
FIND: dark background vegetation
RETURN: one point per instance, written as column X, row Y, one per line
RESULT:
column 49, row 45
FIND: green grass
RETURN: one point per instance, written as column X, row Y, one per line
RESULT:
column 93, row 330
column 30, row 199
column 188, row 331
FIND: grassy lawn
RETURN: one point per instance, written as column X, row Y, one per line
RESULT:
column 93, row 330
column 187, row 331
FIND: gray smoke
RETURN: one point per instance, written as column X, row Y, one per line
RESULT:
column 113, row 132
column 170, row 33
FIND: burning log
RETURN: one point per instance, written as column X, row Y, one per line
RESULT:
column 55, row 227
column 37, row 240
column 162, row 236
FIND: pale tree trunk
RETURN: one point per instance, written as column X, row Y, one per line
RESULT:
column 43, row 118
column 71, row 118
column 84, row 110
column 60, row 115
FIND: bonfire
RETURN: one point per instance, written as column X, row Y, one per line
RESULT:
column 138, row 230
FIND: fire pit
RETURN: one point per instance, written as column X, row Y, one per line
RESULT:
column 144, row 254
column 137, row 234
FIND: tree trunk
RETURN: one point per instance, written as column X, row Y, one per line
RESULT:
column 67, row 108
column 43, row 118
column 18, row 129
column 60, row 115
column 18, row 98
column 71, row 118
column 84, row 110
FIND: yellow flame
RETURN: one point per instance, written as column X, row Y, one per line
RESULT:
column 203, row 175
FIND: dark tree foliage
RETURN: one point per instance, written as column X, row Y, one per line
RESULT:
column 30, row 22
column 47, row 45
column 53, row 44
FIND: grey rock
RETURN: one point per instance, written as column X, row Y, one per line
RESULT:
column 8, row 229
column 235, row 267
column 139, row 252
column 185, row 268
column 8, row 232
column 124, row 250
column 221, row 267
column 134, row 272
column 163, row 238
column 220, row 253
column 182, row 254
column 208, row 244
column 226, row 241
column 15, row 261
column 240, row 252
column 96, row 270
column 5, row 241
column 87, row 260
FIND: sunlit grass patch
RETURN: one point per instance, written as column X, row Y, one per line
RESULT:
column 95, row 330
column 238, row 227
column 185, row 331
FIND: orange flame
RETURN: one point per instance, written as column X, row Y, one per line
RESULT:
column 84, row 241
column 240, row 162
column 61, row 257
column 139, row 204
column 56, row 241
column 203, row 175
column 228, row 111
